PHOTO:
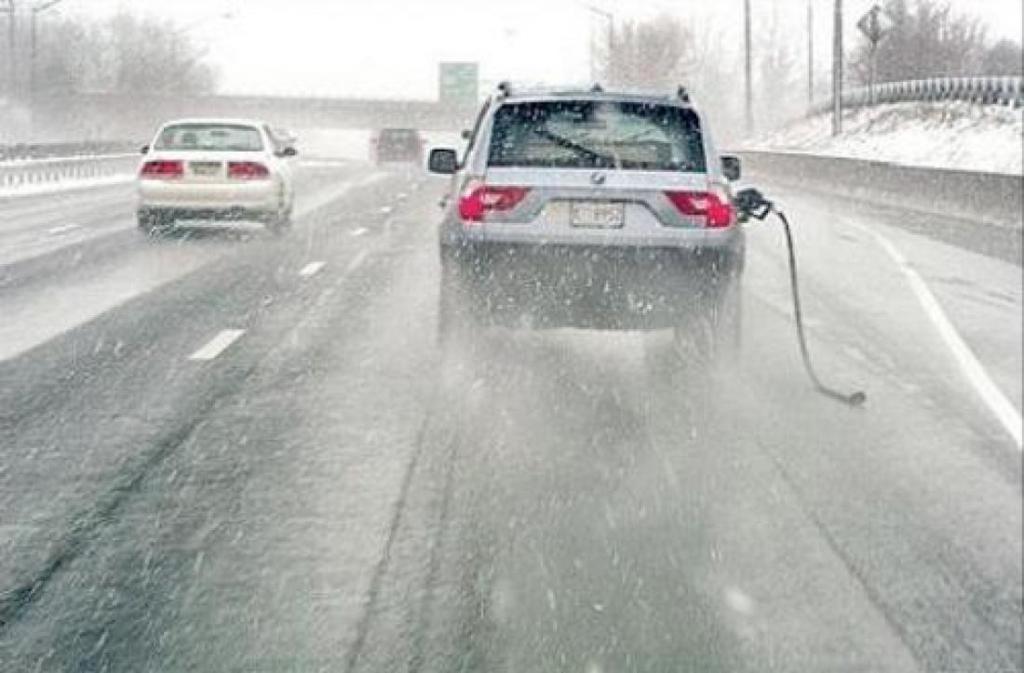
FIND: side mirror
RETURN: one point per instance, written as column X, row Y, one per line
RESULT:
column 288, row 152
column 443, row 161
column 752, row 203
column 731, row 168
column 144, row 149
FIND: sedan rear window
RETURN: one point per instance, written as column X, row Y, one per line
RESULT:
column 597, row 134
column 210, row 137
column 399, row 137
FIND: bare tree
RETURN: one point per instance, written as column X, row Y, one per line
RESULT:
column 1005, row 58
column 927, row 40
column 664, row 52
column 125, row 54
column 778, row 95
column 653, row 55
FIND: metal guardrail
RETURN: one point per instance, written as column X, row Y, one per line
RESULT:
column 1008, row 91
column 19, row 173
column 14, row 151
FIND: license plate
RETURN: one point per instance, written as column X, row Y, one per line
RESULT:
column 205, row 168
column 601, row 214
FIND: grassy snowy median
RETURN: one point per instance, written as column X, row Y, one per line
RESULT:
column 939, row 135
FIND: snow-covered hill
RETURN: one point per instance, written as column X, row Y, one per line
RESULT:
column 941, row 135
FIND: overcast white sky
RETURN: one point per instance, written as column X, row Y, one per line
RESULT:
column 390, row 48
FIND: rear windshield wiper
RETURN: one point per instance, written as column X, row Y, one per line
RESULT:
column 574, row 146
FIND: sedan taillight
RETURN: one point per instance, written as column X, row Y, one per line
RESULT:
column 162, row 170
column 478, row 199
column 247, row 170
column 715, row 207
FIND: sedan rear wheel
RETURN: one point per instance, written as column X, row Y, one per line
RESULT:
column 153, row 223
column 280, row 223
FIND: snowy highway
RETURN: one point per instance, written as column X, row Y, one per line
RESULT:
column 226, row 451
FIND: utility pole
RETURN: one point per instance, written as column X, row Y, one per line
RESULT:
column 34, row 42
column 810, row 54
column 12, row 49
column 837, row 69
column 33, row 97
column 748, row 69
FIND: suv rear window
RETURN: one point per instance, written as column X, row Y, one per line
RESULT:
column 210, row 137
column 597, row 134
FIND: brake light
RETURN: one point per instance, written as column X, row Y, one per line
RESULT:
column 715, row 207
column 478, row 199
column 247, row 170
column 162, row 170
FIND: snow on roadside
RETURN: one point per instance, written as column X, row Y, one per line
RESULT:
column 57, row 186
column 940, row 135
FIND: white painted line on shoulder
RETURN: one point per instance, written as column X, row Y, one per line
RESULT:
column 1000, row 406
column 311, row 269
column 67, row 228
column 357, row 261
column 373, row 177
column 217, row 344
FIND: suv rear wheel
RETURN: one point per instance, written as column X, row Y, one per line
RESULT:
column 279, row 223
column 715, row 332
column 454, row 315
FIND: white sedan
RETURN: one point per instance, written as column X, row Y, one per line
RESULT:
column 216, row 169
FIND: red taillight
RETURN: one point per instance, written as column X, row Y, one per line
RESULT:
column 478, row 199
column 247, row 170
column 716, row 209
column 163, row 170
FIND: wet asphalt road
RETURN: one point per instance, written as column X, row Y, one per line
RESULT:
column 329, row 493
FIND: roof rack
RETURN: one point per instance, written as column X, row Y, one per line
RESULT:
column 506, row 89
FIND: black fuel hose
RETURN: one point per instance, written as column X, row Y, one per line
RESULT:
column 855, row 399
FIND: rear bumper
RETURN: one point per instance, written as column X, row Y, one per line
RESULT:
column 590, row 287
column 386, row 156
column 256, row 196
column 167, row 215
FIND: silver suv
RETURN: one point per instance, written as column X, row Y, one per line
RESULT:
column 591, row 209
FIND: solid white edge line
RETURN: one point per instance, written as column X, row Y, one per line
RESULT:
column 311, row 269
column 217, row 344
column 63, row 229
column 971, row 367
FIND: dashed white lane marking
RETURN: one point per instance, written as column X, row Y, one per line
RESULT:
column 65, row 229
column 217, row 345
column 311, row 269
column 356, row 262
column 739, row 601
column 360, row 231
column 386, row 210
column 997, row 402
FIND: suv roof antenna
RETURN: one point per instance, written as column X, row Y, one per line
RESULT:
column 683, row 94
column 504, row 88
column 597, row 88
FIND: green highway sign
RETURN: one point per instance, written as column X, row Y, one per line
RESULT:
column 459, row 83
